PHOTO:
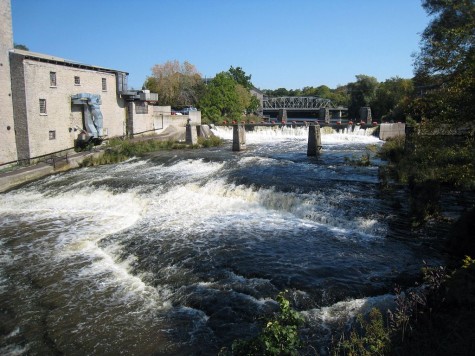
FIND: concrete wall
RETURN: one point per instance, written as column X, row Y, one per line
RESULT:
column 8, row 151
column 159, row 118
column 387, row 131
column 66, row 120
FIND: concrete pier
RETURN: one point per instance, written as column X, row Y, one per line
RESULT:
column 314, row 140
column 239, row 138
column 191, row 135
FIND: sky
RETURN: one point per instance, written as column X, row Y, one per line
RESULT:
column 280, row 43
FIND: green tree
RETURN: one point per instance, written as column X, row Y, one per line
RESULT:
column 362, row 93
column 222, row 99
column 277, row 92
column 339, row 96
column 177, row 84
column 240, row 77
column 445, row 65
column 392, row 99
column 20, row 46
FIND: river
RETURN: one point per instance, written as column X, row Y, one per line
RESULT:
column 181, row 252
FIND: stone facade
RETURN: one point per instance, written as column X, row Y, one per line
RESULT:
column 45, row 120
column 7, row 131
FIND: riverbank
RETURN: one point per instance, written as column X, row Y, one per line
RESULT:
column 22, row 175
column 168, row 139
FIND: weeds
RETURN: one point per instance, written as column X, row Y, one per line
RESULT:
column 279, row 336
column 363, row 161
column 367, row 337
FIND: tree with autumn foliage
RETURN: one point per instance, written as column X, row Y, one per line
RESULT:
column 177, row 84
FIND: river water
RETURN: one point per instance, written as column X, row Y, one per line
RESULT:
column 182, row 252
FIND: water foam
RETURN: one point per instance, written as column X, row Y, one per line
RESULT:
column 186, row 207
column 346, row 310
column 90, row 214
column 266, row 134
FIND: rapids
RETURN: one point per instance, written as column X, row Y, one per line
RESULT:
column 181, row 252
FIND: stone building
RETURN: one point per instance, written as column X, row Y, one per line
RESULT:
column 48, row 104
column 46, row 117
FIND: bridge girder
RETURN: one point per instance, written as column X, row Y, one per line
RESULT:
column 301, row 103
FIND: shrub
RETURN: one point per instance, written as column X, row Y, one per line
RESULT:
column 279, row 336
column 368, row 337
column 393, row 149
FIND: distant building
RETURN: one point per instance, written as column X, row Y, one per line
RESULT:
column 260, row 96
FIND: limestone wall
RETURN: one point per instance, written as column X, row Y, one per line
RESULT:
column 8, row 151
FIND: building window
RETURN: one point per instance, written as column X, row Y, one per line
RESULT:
column 52, row 79
column 141, row 107
column 104, row 84
column 43, row 107
column 77, row 80
column 52, row 135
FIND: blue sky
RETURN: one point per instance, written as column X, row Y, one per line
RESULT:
column 280, row 43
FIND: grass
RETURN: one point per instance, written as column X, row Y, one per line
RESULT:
column 119, row 150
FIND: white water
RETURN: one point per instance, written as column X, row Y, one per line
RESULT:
column 263, row 134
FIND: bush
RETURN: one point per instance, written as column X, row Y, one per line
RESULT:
column 393, row 149
column 280, row 335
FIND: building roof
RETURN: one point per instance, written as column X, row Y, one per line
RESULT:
column 61, row 61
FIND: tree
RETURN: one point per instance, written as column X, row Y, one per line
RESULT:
column 176, row 84
column 362, row 93
column 392, row 99
column 222, row 99
column 277, row 92
column 339, row 96
column 445, row 65
column 240, row 77
column 20, row 46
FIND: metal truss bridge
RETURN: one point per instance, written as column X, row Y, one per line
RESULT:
column 297, row 103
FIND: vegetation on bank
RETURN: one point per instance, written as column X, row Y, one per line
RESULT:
column 432, row 318
column 279, row 335
column 119, row 150
column 431, row 158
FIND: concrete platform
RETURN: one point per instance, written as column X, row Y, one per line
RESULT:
column 20, row 176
